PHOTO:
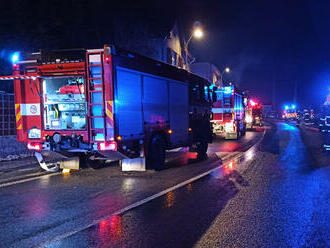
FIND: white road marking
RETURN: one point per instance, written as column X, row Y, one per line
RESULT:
column 150, row 198
column 28, row 179
column 130, row 207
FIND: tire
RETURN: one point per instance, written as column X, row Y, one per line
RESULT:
column 94, row 164
column 202, row 150
column 243, row 132
column 238, row 130
column 237, row 135
column 156, row 153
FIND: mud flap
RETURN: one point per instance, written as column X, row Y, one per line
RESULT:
column 51, row 167
column 135, row 164
column 53, row 161
column 70, row 163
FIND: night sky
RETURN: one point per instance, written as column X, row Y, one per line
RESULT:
column 269, row 45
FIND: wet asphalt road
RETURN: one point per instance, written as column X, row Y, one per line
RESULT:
column 273, row 196
column 36, row 212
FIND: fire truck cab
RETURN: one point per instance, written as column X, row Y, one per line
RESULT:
column 229, row 112
column 108, row 104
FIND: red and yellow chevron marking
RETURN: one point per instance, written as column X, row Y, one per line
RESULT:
column 19, row 125
column 110, row 114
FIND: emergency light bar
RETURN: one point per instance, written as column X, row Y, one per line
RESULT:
column 228, row 90
column 15, row 58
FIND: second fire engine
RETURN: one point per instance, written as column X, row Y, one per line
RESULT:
column 229, row 112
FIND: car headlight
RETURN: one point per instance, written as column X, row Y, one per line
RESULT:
column 34, row 133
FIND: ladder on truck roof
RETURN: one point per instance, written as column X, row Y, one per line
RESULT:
column 96, row 97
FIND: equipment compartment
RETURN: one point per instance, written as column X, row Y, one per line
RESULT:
column 64, row 103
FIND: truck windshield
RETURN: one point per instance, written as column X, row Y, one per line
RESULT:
column 64, row 103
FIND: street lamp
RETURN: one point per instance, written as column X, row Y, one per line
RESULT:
column 196, row 33
column 227, row 70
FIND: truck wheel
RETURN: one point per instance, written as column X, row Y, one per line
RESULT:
column 94, row 164
column 202, row 150
column 243, row 132
column 234, row 136
column 238, row 131
column 156, row 153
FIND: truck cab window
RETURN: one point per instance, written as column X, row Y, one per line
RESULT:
column 197, row 92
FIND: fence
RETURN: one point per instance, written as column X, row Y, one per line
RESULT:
column 8, row 143
column 7, row 114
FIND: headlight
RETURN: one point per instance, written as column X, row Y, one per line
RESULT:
column 248, row 119
column 34, row 133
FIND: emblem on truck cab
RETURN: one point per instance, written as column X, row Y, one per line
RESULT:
column 33, row 109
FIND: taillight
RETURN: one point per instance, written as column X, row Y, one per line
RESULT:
column 234, row 126
column 107, row 146
column 34, row 146
column 107, row 54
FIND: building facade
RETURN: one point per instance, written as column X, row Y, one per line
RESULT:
column 208, row 71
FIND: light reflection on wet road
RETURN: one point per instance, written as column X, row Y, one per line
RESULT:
column 273, row 196
column 38, row 211
column 134, row 233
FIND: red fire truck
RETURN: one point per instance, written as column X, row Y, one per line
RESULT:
column 254, row 116
column 229, row 112
column 107, row 104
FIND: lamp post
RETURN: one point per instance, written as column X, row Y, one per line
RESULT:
column 198, row 34
column 227, row 70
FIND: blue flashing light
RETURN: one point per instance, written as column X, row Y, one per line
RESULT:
column 286, row 107
column 228, row 90
column 15, row 58
column 293, row 106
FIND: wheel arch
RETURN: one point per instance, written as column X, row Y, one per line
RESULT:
column 160, row 133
